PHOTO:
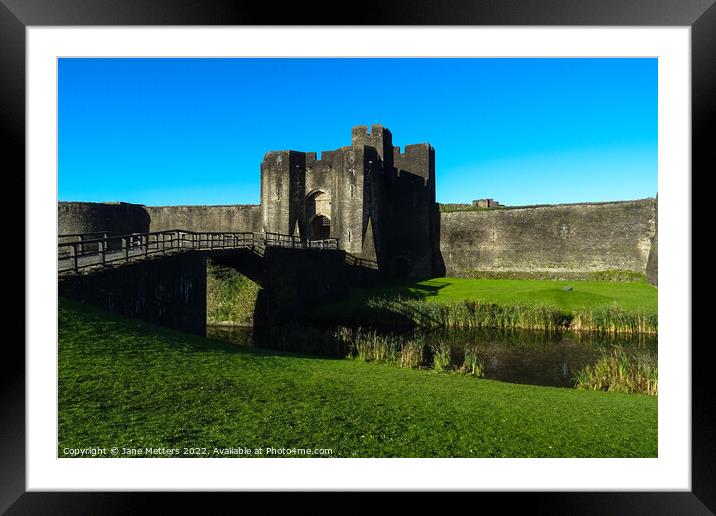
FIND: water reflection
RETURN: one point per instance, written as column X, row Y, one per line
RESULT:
column 241, row 335
column 538, row 358
column 530, row 357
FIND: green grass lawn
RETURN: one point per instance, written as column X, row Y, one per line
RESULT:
column 125, row 383
column 584, row 294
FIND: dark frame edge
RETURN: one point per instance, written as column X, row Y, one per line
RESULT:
column 12, row 135
column 703, row 157
column 702, row 499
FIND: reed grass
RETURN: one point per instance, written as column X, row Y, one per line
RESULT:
column 614, row 319
column 370, row 346
column 617, row 370
column 442, row 356
column 402, row 312
column 467, row 314
column 473, row 364
column 620, row 371
column 604, row 306
column 410, row 352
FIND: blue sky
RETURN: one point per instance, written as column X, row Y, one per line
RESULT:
column 194, row 131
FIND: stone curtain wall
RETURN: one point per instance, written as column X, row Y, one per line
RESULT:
column 574, row 238
column 235, row 217
column 124, row 218
column 652, row 265
column 90, row 217
column 558, row 238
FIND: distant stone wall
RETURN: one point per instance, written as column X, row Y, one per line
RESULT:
column 90, row 217
column 124, row 218
column 234, row 217
column 652, row 265
column 557, row 238
column 562, row 238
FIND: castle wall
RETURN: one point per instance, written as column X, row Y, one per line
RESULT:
column 123, row 218
column 90, row 217
column 375, row 211
column 320, row 182
column 652, row 264
column 319, row 173
column 558, row 238
column 234, row 217
column 283, row 176
column 381, row 206
column 410, row 201
column 373, row 230
column 347, row 202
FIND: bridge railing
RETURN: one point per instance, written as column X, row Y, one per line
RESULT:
column 328, row 243
column 361, row 262
column 114, row 248
column 82, row 239
column 87, row 252
column 282, row 240
column 221, row 240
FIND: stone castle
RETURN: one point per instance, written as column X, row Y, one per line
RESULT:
column 378, row 202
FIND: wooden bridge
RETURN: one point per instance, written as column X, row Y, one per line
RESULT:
column 99, row 249
column 116, row 272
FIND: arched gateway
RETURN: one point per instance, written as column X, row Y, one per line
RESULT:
column 318, row 214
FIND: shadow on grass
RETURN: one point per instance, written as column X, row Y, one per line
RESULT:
column 89, row 322
column 413, row 288
column 373, row 305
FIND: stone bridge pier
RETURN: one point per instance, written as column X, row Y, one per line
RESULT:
column 167, row 290
column 297, row 280
column 170, row 290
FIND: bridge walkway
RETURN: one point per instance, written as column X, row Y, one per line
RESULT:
column 85, row 251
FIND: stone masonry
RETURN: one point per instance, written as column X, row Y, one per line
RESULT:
column 378, row 202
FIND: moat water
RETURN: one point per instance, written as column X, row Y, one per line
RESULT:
column 528, row 357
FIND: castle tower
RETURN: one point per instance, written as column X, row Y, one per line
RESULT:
column 378, row 202
column 379, row 138
column 283, row 179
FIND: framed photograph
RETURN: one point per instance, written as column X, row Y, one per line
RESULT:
column 449, row 230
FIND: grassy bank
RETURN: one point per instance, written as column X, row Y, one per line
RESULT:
column 604, row 306
column 606, row 275
column 230, row 296
column 124, row 383
column 620, row 371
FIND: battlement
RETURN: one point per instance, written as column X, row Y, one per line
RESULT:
column 378, row 137
column 329, row 160
column 413, row 151
column 359, row 133
column 418, row 159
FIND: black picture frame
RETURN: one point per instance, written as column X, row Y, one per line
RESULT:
column 700, row 15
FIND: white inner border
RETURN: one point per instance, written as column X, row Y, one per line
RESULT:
column 671, row 471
